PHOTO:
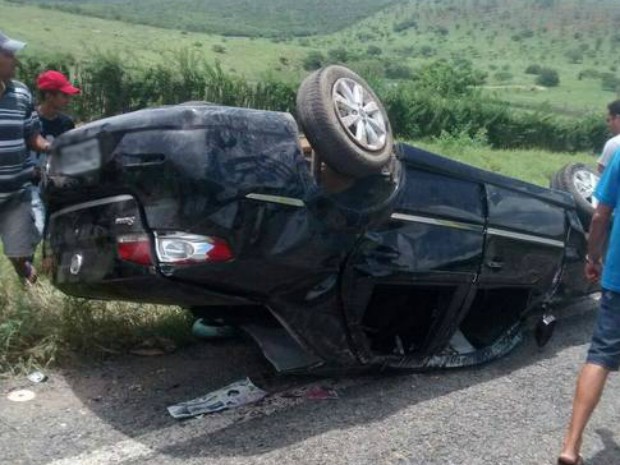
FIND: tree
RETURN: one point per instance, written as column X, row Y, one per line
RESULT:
column 449, row 78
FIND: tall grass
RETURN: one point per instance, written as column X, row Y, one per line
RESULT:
column 111, row 84
column 114, row 84
column 40, row 326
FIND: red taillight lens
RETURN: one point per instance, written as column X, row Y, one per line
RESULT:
column 182, row 248
column 135, row 248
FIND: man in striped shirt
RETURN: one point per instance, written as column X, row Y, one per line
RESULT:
column 19, row 132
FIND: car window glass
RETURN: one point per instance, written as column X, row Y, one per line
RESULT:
column 439, row 195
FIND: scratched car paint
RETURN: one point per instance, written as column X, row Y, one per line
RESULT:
column 422, row 263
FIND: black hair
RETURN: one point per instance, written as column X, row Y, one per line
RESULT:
column 614, row 108
column 44, row 93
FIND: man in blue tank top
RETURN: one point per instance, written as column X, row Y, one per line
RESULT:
column 604, row 353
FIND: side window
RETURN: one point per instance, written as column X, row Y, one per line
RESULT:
column 438, row 195
column 516, row 210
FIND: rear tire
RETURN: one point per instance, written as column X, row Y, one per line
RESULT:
column 580, row 181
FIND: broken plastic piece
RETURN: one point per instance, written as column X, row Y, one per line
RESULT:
column 234, row 395
column 37, row 377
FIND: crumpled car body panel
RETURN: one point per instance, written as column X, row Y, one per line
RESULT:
column 390, row 272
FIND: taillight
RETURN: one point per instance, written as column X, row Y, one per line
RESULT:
column 182, row 248
column 135, row 248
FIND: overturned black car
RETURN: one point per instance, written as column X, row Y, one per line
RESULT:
column 363, row 253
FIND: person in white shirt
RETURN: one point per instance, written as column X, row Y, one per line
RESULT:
column 613, row 144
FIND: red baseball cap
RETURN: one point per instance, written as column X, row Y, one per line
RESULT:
column 54, row 80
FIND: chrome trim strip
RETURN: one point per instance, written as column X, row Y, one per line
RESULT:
column 474, row 227
column 436, row 222
column 93, row 203
column 525, row 237
column 290, row 201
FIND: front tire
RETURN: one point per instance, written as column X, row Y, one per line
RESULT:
column 345, row 122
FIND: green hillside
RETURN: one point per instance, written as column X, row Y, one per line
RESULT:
column 578, row 39
column 50, row 33
column 257, row 18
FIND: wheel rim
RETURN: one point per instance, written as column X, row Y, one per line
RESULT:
column 585, row 183
column 359, row 114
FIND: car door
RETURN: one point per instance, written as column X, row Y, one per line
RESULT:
column 410, row 278
column 525, row 239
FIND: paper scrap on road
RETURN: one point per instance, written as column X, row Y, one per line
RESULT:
column 234, row 395
column 22, row 395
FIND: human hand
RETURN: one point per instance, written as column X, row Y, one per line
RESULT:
column 593, row 271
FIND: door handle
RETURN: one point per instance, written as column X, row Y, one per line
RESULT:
column 495, row 265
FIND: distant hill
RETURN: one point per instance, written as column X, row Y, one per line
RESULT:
column 253, row 18
column 506, row 39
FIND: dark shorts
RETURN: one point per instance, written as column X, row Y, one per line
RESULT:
column 17, row 226
column 605, row 346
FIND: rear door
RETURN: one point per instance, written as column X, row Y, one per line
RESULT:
column 524, row 241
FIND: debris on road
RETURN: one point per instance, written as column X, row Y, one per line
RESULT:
column 234, row 395
column 154, row 346
column 314, row 392
column 37, row 377
column 321, row 393
column 21, row 395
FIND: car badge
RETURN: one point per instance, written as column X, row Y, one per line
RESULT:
column 76, row 263
column 126, row 220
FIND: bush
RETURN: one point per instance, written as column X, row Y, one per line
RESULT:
column 533, row 69
column 314, row 60
column 406, row 24
column 373, row 50
column 610, row 82
column 338, row 55
column 112, row 87
column 503, row 76
column 548, row 77
column 394, row 70
column 574, row 56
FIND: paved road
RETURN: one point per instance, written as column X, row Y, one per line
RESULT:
column 512, row 411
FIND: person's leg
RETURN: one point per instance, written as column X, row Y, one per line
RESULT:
column 603, row 357
column 18, row 234
column 38, row 213
column 590, row 386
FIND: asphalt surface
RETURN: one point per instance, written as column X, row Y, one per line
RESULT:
column 512, row 411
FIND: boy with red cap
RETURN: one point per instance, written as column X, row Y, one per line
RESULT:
column 55, row 92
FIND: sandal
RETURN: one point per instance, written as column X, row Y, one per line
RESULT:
column 578, row 461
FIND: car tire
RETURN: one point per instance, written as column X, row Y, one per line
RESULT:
column 580, row 181
column 345, row 122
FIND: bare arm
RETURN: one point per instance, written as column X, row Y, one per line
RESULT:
column 38, row 143
column 599, row 228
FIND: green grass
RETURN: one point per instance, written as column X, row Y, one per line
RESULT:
column 535, row 166
column 81, row 36
column 229, row 17
column 42, row 327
